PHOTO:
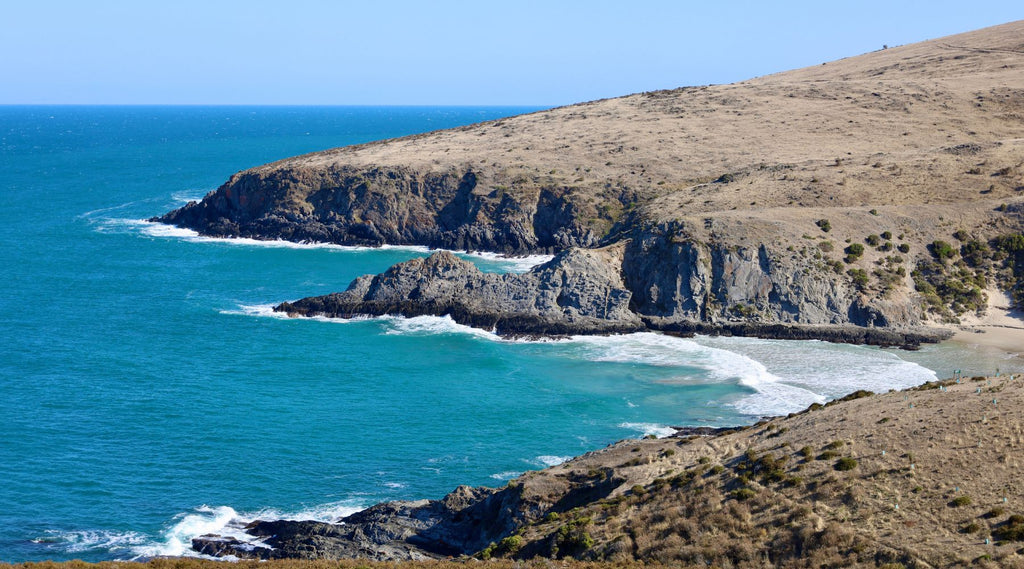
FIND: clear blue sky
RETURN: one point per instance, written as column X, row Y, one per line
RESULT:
column 440, row 52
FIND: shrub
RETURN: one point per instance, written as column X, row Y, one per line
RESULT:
column 974, row 252
column 834, row 445
column 960, row 501
column 942, row 250
column 995, row 512
column 860, row 278
column 903, row 248
column 807, row 452
column 873, row 240
column 972, row 527
column 824, row 224
column 510, row 545
column 828, row 455
column 826, row 246
column 846, row 463
column 1012, row 530
column 744, row 494
column 887, row 235
column 961, row 235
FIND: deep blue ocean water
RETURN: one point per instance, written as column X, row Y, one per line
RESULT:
column 147, row 394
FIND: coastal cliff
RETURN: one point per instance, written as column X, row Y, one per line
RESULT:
column 880, row 192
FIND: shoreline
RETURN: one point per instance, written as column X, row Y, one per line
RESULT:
column 781, row 468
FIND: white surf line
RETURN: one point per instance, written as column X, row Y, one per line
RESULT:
column 156, row 229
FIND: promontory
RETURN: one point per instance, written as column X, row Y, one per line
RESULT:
column 868, row 199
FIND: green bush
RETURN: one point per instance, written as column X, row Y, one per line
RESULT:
column 975, row 253
column 887, row 235
column 1012, row 530
column 960, row 501
column 942, row 250
column 846, row 463
column 903, row 248
column 860, row 278
column 744, row 494
column 873, row 240
column 824, row 224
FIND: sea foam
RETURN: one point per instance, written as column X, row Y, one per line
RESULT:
column 646, row 429
column 176, row 540
column 497, row 261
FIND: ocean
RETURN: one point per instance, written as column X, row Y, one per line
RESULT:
column 149, row 395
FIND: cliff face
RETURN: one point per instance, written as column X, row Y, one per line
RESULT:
column 378, row 205
column 812, row 198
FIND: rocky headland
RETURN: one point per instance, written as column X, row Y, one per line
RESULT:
column 883, row 192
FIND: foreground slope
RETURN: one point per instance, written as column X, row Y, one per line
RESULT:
column 811, row 197
column 927, row 477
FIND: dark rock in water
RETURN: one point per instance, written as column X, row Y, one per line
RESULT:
column 578, row 292
column 463, row 522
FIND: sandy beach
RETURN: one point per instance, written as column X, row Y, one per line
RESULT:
column 1000, row 329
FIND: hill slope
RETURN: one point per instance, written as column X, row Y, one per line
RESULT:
column 810, row 197
column 923, row 478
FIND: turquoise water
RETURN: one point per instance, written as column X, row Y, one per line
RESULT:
column 148, row 394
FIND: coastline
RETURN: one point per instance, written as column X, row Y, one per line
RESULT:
column 848, row 479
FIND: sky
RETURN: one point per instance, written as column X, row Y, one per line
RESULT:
column 441, row 52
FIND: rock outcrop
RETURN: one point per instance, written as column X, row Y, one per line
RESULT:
column 578, row 292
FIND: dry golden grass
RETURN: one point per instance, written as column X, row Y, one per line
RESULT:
column 937, row 122
column 930, row 475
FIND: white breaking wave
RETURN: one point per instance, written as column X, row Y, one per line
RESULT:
column 820, row 368
column 432, row 325
column 90, row 540
column 177, row 540
column 660, row 431
column 551, row 460
column 506, row 476
column 510, row 264
column 262, row 310
column 154, row 229
column 224, row 521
